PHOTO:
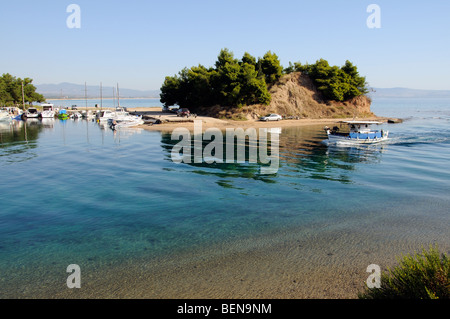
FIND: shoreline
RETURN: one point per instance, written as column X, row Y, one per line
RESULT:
column 171, row 121
column 208, row 123
column 224, row 124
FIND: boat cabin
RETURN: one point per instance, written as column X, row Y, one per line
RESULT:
column 47, row 107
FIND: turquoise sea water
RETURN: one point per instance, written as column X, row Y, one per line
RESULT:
column 74, row 192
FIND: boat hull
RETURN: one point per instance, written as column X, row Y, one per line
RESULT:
column 48, row 114
column 339, row 139
column 5, row 117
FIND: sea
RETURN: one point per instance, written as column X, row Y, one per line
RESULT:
column 74, row 192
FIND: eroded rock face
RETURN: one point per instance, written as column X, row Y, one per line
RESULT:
column 296, row 96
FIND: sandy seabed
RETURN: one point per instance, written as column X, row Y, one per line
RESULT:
column 320, row 261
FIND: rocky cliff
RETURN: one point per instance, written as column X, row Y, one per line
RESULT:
column 296, row 96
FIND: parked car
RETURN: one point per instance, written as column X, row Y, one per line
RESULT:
column 271, row 117
column 74, row 107
column 183, row 112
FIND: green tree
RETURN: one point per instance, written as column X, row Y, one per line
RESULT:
column 271, row 67
column 335, row 83
column 358, row 83
column 289, row 69
column 227, row 82
column 170, row 91
column 225, row 56
column 195, row 88
column 254, row 88
column 249, row 59
column 11, row 90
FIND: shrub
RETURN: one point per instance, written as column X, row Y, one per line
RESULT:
column 422, row 276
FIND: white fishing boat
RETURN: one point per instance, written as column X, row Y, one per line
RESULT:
column 31, row 113
column 87, row 115
column 104, row 116
column 122, row 118
column 125, row 122
column 76, row 116
column 48, row 111
column 358, row 132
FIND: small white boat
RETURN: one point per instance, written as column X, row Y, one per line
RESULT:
column 5, row 116
column 104, row 115
column 87, row 115
column 359, row 132
column 121, row 113
column 122, row 118
column 31, row 113
column 48, row 111
column 128, row 121
column 76, row 116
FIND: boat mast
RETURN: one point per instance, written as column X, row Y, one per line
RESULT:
column 114, row 98
column 118, row 96
column 85, row 94
column 23, row 98
column 61, row 100
column 101, row 96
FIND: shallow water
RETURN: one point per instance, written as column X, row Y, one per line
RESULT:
column 73, row 192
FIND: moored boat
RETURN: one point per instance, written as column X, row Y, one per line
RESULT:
column 76, row 116
column 87, row 115
column 104, row 115
column 63, row 115
column 48, row 111
column 31, row 113
column 5, row 116
column 130, row 121
column 359, row 132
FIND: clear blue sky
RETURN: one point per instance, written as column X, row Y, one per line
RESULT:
column 136, row 43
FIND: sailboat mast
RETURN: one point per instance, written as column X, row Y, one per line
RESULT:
column 118, row 96
column 114, row 98
column 23, row 98
column 85, row 94
column 101, row 96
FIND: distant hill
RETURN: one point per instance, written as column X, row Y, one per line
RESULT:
column 408, row 93
column 71, row 90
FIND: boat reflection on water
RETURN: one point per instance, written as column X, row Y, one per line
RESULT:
column 302, row 155
column 19, row 139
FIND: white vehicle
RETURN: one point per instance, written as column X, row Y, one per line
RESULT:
column 271, row 117
column 47, row 111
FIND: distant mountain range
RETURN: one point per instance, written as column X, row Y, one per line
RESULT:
column 74, row 91
column 408, row 93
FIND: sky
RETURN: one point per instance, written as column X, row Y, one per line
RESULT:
column 137, row 43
